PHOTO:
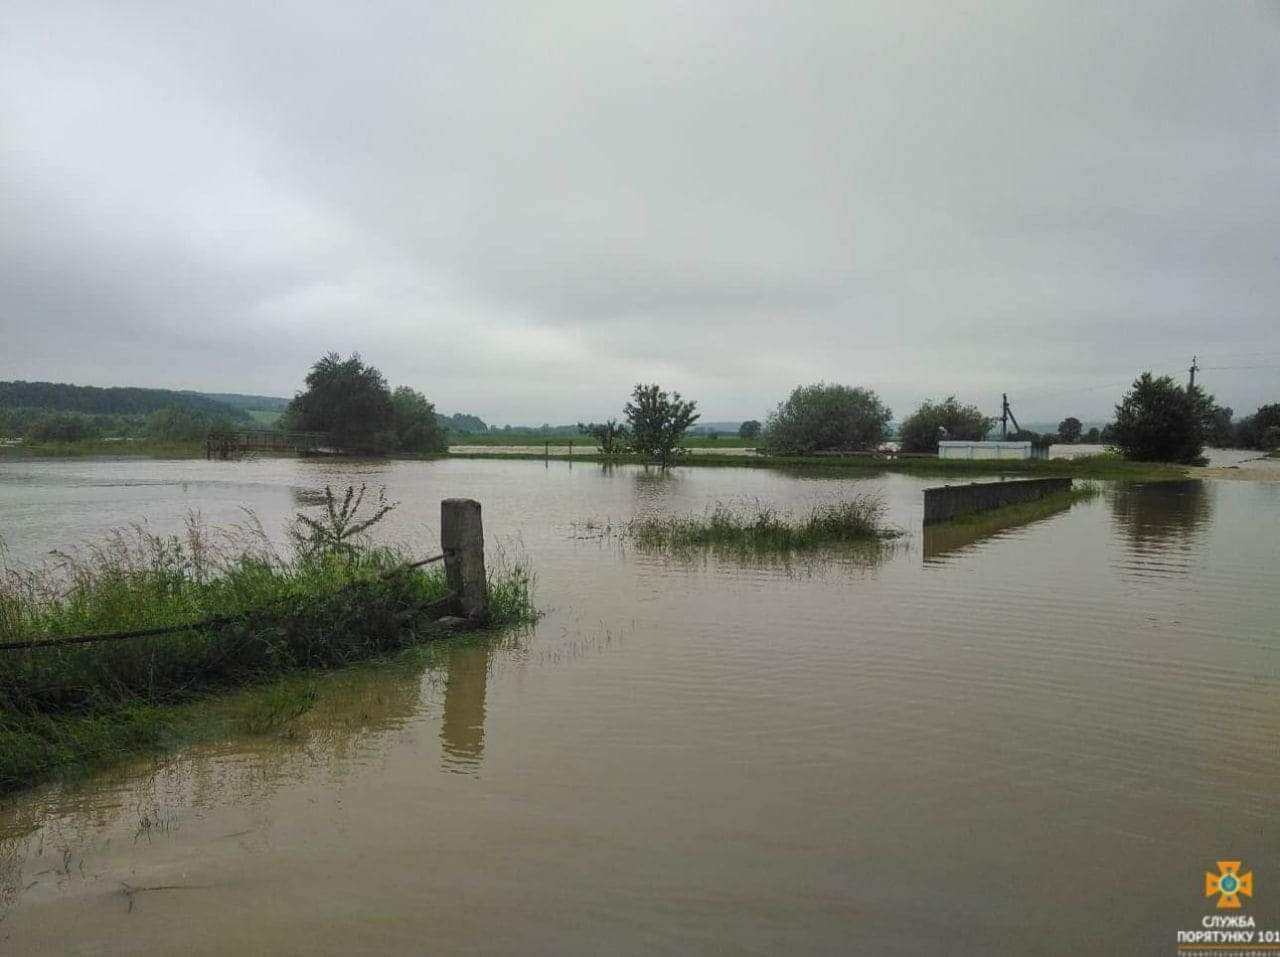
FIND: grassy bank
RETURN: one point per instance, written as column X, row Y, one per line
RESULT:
column 1085, row 467
column 69, row 706
column 585, row 442
column 144, row 448
column 763, row 529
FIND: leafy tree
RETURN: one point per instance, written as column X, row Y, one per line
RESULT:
column 349, row 400
column 60, row 427
column 1093, row 436
column 1218, row 429
column 1270, row 439
column 822, row 417
column 460, row 422
column 1069, row 429
column 749, row 429
column 610, row 436
column 1160, row 421
column 1250, row 430
column 948, row 419
column 180, row 424
column 415, row 423
column 658, row 421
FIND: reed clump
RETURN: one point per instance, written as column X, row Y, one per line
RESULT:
column 762, row 528
column 336, row 599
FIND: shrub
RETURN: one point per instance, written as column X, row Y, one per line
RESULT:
column 823, row 417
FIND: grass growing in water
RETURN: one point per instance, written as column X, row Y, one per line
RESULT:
column 764, row 529
column 327, row 605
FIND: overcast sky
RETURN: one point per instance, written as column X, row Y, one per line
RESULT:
column 523, row 209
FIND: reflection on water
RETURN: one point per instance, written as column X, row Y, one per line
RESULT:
column 941, row 541
column 462, row 724
column 1161, row 514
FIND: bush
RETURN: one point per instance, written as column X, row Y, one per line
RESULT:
column 1160, row 421
column 948, row 419
column 824, row 417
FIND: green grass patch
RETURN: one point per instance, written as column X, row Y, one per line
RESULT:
column 764, row 529
column 328, row 605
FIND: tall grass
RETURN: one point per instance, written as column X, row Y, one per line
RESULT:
column 761, row 528
column 321, row 607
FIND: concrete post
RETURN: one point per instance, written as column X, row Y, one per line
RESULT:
column 462, row 541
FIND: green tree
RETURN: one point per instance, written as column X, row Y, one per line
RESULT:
column 749, row 429
column 60, row 427
column 610, row 436
column 1160, row 421
column 181, row 424
column 1250, row 430
column 823, row 417
column 1069, row 429
column 1219, row 431
column 658, row 421
column 414, row 420
column 948, row 419
column 1092, row 436
column 349, row 400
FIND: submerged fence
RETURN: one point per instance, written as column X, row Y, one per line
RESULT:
column 950, row 501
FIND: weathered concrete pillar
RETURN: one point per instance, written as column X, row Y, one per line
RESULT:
column 462, row 541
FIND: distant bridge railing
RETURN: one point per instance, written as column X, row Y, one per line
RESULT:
column 232, row 443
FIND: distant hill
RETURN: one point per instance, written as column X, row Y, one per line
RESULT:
column 93, row 400
column 272, row 403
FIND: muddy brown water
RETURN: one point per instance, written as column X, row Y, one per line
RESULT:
column 1034, row 741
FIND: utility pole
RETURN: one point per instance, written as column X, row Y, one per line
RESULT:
column 1194, row 368
column 1006, row 415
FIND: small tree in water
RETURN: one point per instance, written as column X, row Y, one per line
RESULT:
column 658, row 421
column 610, row 436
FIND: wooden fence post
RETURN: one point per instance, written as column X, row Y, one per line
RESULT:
column 462, row 541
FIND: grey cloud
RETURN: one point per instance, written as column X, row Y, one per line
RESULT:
column 521, row 208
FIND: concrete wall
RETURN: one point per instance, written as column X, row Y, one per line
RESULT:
column 955, row 449
column 941, row 504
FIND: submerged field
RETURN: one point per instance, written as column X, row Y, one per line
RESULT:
column 695, row 754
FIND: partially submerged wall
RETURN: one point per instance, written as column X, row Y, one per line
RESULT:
column 941, row 504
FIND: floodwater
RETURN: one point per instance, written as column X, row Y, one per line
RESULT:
column 1031, row 742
